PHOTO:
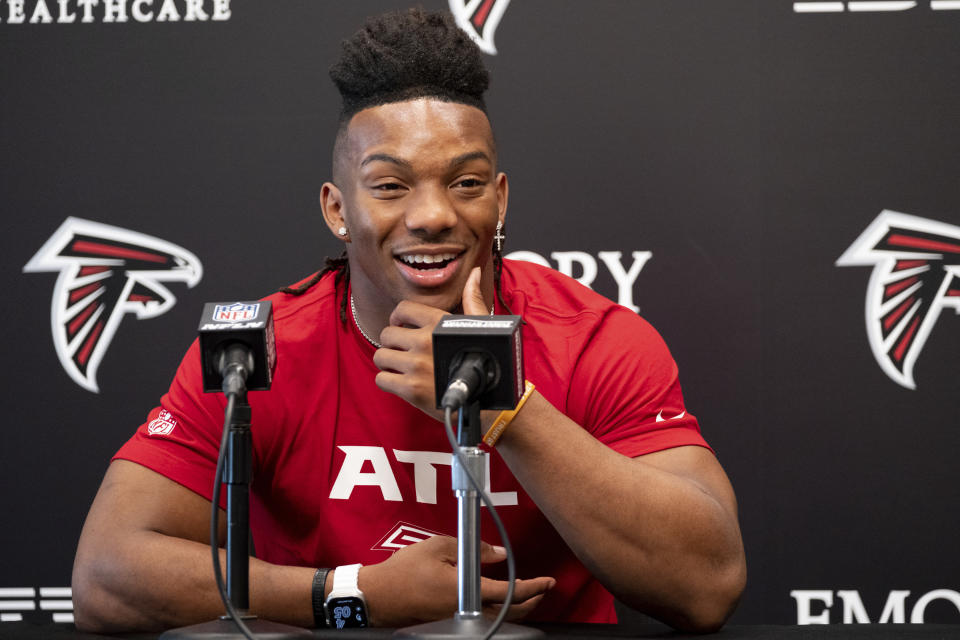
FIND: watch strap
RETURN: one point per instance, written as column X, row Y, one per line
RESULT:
column 345, row 578
column 316, row 593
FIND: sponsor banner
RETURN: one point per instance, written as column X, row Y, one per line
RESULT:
column 83, row 12
column 876, row 6
column 584, row 267
column 38, row 605
column 824, row 606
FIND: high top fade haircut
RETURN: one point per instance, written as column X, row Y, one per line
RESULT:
column 404, row 55
column 396, row 57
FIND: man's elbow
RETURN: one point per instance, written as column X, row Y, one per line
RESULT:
column 90, row 607
column 708, row 611
column 95, row 607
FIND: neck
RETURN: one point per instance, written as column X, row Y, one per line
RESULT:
column 353, row 315
column 369, row 319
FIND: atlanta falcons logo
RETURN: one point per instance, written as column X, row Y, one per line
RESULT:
column 105, row 272
column 479, row 19
column 916, row 273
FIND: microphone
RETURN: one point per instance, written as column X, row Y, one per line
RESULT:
column 237, row 349
column 478, row 358
column 472, row 374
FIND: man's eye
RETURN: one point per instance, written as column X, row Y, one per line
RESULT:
column 386, row 186
column 469, row 183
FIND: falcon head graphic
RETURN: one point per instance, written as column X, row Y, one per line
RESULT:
column 105, row 272
column 916, row 273
column 479, row 19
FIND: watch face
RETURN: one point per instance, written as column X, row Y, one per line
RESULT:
column 346, row 611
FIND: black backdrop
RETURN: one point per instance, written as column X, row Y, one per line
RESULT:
column 745, row 144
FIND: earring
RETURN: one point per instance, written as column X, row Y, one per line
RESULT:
column 499, row 237
column 342, row 231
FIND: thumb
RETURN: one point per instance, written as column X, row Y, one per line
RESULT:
column 473, row 304
column 490, row 553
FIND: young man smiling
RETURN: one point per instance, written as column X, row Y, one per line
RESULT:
column 605, row 484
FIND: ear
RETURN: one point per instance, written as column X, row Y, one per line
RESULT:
column 503, row 191
column 331, row 202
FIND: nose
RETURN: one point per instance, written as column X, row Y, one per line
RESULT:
column 431, row 211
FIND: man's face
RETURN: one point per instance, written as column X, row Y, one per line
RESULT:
column 421, row 198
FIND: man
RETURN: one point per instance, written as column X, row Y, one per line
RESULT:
column 602, row 477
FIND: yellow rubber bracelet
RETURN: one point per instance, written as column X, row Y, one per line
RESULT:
column 506, row 417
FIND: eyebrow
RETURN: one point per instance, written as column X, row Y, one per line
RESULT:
column 467, row 157
column 456, row 162
column 384, row 157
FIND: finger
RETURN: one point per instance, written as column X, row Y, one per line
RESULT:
column 518, row 611
column 496, row 590
column 389, row 381
column 414, row 314
column 417, row 365
column 490, row 553
column 473, row 303
column 418, row 394
column 402, row 338
column 389, row 359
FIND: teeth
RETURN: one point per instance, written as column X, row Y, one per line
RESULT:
column 427, row 258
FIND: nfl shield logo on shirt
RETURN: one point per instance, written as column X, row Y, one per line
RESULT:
column 162, row 425
column 236, row 312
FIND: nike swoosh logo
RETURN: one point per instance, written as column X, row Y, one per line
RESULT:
column 660, row 417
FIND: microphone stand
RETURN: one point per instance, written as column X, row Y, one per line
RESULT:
column 237, row 475
column 468, row 622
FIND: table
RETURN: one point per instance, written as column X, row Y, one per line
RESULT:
column 51, row 631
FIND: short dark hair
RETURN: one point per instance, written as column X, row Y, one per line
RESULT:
column 404, row 55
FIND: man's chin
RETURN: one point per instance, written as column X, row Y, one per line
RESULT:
column 445, row 301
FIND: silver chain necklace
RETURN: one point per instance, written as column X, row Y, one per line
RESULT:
column 353, row 310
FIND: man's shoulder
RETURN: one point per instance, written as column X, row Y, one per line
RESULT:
column 557, row 307
column 310, row 305
column 531, row 286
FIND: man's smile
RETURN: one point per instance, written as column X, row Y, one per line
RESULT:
column 429, row 268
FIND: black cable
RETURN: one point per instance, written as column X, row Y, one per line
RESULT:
column 511, row 570
column 215, row 519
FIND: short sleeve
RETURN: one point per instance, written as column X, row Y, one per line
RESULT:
column 625, row 389
column 180, row 439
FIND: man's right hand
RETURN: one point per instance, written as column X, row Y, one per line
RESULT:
column 419, row 583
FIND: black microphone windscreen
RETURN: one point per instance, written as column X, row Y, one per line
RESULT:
column 498, row 336
column 249, row 323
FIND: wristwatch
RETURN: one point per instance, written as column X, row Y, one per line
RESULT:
column 345, row 606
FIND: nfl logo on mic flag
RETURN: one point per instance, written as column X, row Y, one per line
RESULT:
column 236, row 312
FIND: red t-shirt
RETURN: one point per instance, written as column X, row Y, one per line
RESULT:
column 346, row 473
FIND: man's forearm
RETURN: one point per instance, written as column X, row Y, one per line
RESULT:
column 659, row 540
column 153, row 581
